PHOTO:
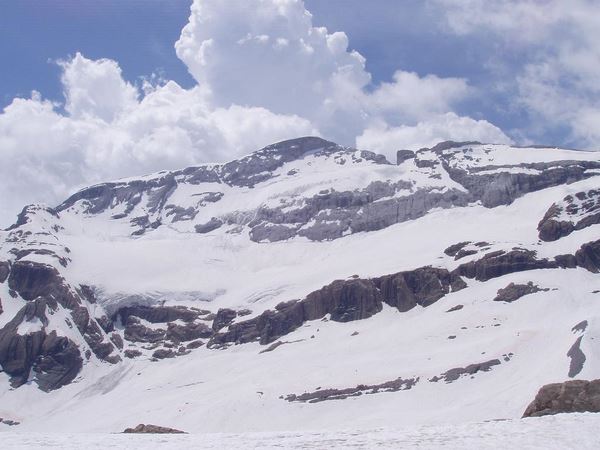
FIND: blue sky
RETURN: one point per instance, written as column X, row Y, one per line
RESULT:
column 140, row 34
column 97, row 90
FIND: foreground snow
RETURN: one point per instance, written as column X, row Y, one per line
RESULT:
column 566, row 431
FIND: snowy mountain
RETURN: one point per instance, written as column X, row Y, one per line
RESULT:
column 305, row 286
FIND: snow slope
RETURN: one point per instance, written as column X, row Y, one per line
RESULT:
column 490, row 196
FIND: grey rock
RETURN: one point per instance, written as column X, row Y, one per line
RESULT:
column 497, row 264
column 588, row 256
column 580, row 327
column 577, row 358
column 209, row 226
column 454, row 374
column 320, row 395
column 223, row 318
column 163, row 353
column 4, row 270
column 53, row 360
column 514, row 292
column 188, row 332
column 568, row 397
column 152, row 429
column 404, row 155
column 583, row 208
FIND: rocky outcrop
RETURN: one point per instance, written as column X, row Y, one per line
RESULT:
column 149, row 327
column 574, row 212
column 567, row 397
column 4, row 271
column 43, row 285
column 454, row 374
column 152, row 429
column 513, row 292
column 52, row 360
column 223, row 318
column 501, row 263
column 423, row 286
column 321, row 395
column 344, row 301
column 588, row 256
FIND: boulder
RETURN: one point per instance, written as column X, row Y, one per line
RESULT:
column 153, row 429
column 567, row 397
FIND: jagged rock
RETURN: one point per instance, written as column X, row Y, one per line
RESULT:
column 92, row 334
column 497, row 264
column 404, row 155
column 31, row 280
column 588, row 256
column 514, row 292
column 188, row 332
column 153, row 429
column 54, row 360
column 455, row 248
column 136, row 332
column 580, row 327
column 4, row 271
column 223, row 318
column 582, row 210
column 344, row 300
column 117, row 340
column 423, row 286
column 567, row 397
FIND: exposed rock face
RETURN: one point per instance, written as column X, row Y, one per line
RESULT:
column 423, row 286
column 223, row 318
column 152, row 429
column 345, row 300
column 54, row 360
column 161, row 326
column 496, row 264
column 4, row 271
column 514, row 292
column 588, row 256
column 567, row 397
column 574, row 212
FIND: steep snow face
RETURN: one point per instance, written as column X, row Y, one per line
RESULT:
column 195, row 299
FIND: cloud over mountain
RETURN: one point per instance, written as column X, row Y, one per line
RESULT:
column 264, row 73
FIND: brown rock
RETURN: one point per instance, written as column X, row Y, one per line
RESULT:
column 567, row 397
column 153, row 429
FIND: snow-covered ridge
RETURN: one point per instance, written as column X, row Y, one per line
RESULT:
column 427, row 282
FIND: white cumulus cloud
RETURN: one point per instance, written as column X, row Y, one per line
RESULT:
column 264, row 73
